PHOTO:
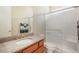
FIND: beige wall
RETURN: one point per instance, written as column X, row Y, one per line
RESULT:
column 39, row 10
column 20, row 14
column 5, row 21
column 52, row 8
column 38, row 19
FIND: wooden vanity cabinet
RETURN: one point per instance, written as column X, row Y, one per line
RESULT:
column 41, row 47
column 37, row 47
column 40, row 50
column 41, row 43
column 31, row 48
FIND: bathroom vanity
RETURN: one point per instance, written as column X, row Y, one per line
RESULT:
column 31, row 44
column 37, row 47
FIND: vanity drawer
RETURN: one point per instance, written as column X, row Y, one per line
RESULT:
column 31, row 48
column 41, row 43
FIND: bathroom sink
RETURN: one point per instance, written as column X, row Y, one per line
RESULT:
column 25, row 41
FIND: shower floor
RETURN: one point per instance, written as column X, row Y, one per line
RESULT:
column 65, row 47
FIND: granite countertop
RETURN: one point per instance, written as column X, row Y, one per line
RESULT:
column 16, row 45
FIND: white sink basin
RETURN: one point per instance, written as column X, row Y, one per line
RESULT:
column 26, row 41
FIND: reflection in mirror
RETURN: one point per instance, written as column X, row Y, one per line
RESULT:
column 24, row 28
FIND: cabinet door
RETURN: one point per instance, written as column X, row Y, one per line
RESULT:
column 41, row 43
column 40, row 50
column 31, row 48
